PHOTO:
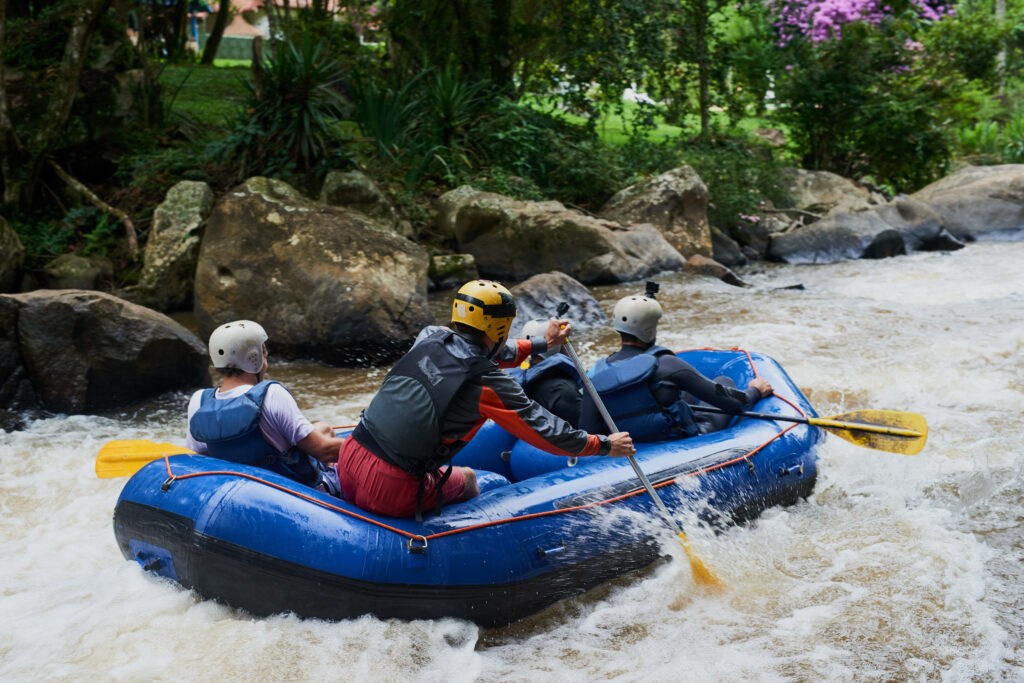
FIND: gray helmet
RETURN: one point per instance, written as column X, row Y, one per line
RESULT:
column 238, row 344
column 637, row 315
column 537, row 329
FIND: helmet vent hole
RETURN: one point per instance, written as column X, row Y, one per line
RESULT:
column 220, row 352
column 471, row 309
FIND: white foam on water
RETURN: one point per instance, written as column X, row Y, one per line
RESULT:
column 897, row 568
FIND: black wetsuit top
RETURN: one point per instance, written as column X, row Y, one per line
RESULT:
column 559, row 394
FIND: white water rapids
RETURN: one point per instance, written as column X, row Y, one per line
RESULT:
column 897, row 568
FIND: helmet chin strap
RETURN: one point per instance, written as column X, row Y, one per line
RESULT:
column 496, row 348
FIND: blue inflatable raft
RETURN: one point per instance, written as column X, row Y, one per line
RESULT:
column 260, row 542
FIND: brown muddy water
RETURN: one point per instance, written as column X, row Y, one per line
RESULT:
column 897, row 568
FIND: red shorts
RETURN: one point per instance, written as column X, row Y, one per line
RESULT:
column 380, row 487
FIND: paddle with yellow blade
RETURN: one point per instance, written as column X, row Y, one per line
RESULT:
column 123, row 458
column 702, row 573
column 883, row 430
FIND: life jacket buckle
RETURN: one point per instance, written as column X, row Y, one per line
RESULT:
column 416, row 549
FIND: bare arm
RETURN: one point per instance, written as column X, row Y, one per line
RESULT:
column 321, row 443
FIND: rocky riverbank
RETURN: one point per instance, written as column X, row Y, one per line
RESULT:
column 342, row 280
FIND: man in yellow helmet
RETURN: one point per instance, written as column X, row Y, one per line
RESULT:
column 438, row 395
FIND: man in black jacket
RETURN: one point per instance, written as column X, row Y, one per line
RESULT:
column 648, row 389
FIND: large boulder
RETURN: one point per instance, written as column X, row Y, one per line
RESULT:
column 900, row 226
column 450, row 271
column 675, row 202
column 826, row 194
column 837, row 238
column 16, row 392
column 540, row 296
column 514, row 240
column 169, row 261
column 326, row 282
column 356, row 190
column 12, row 258
column 919, row 225
column 74, row 271
column 726, row 250
column 702, row 265
column 979, row 202
column 84, row 351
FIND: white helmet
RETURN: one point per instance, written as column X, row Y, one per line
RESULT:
column 537, row 329
column 638, row 316
column 238, row 344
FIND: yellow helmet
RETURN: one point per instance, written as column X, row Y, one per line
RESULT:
column 486, row 306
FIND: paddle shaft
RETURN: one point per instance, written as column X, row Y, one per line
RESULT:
column 613, row 429
column 816, row 422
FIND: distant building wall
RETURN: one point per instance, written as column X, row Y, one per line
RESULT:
column 231, row 47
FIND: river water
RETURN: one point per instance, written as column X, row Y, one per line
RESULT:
column 897, row 568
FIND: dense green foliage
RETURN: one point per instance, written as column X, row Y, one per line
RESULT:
column 523, row 97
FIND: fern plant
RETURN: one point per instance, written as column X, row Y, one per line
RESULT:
column 292, row 112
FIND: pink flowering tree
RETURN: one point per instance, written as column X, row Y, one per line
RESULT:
column 856, row 90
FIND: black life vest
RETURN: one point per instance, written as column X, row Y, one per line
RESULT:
column 405, row 418
column 628, row 392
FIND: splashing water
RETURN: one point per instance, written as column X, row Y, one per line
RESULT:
column 898, row 567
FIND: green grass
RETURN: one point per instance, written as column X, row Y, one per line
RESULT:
column 613, row 130
column 212, row 95
column 209, row 95
column 247, row 63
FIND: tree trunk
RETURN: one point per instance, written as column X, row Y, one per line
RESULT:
column 11, row 149
column 271, row 20
column 501, row 66
column 703, row 67
column 65, row 87
column 1001, row 57
column 472, row 64
column 219, row 24
column 17, row 9
column 257, row 68
column 180, row 31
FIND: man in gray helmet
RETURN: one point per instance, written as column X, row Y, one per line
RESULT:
column 549, row 377
column 254, row 421
column 647, row 388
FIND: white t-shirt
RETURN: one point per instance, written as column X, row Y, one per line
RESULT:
column 281, row 421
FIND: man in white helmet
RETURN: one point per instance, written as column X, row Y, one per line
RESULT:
column 549, row 377
column 647, row 389
column 254, row 421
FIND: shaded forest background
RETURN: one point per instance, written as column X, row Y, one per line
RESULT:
column 105, row 104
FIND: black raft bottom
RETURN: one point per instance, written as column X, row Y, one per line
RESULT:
column 265, row 585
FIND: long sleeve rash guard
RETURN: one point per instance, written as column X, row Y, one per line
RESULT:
column 497, row 396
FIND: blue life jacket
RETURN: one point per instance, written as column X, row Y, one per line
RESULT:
column 230, row 428
column 627, row 390
column 559, row 363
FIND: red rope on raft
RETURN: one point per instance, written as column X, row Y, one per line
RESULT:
column 506, row 520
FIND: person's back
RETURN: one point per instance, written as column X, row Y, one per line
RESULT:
column 550, row 378
column 254, row 421
column 436, row 398
column 648, row 389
